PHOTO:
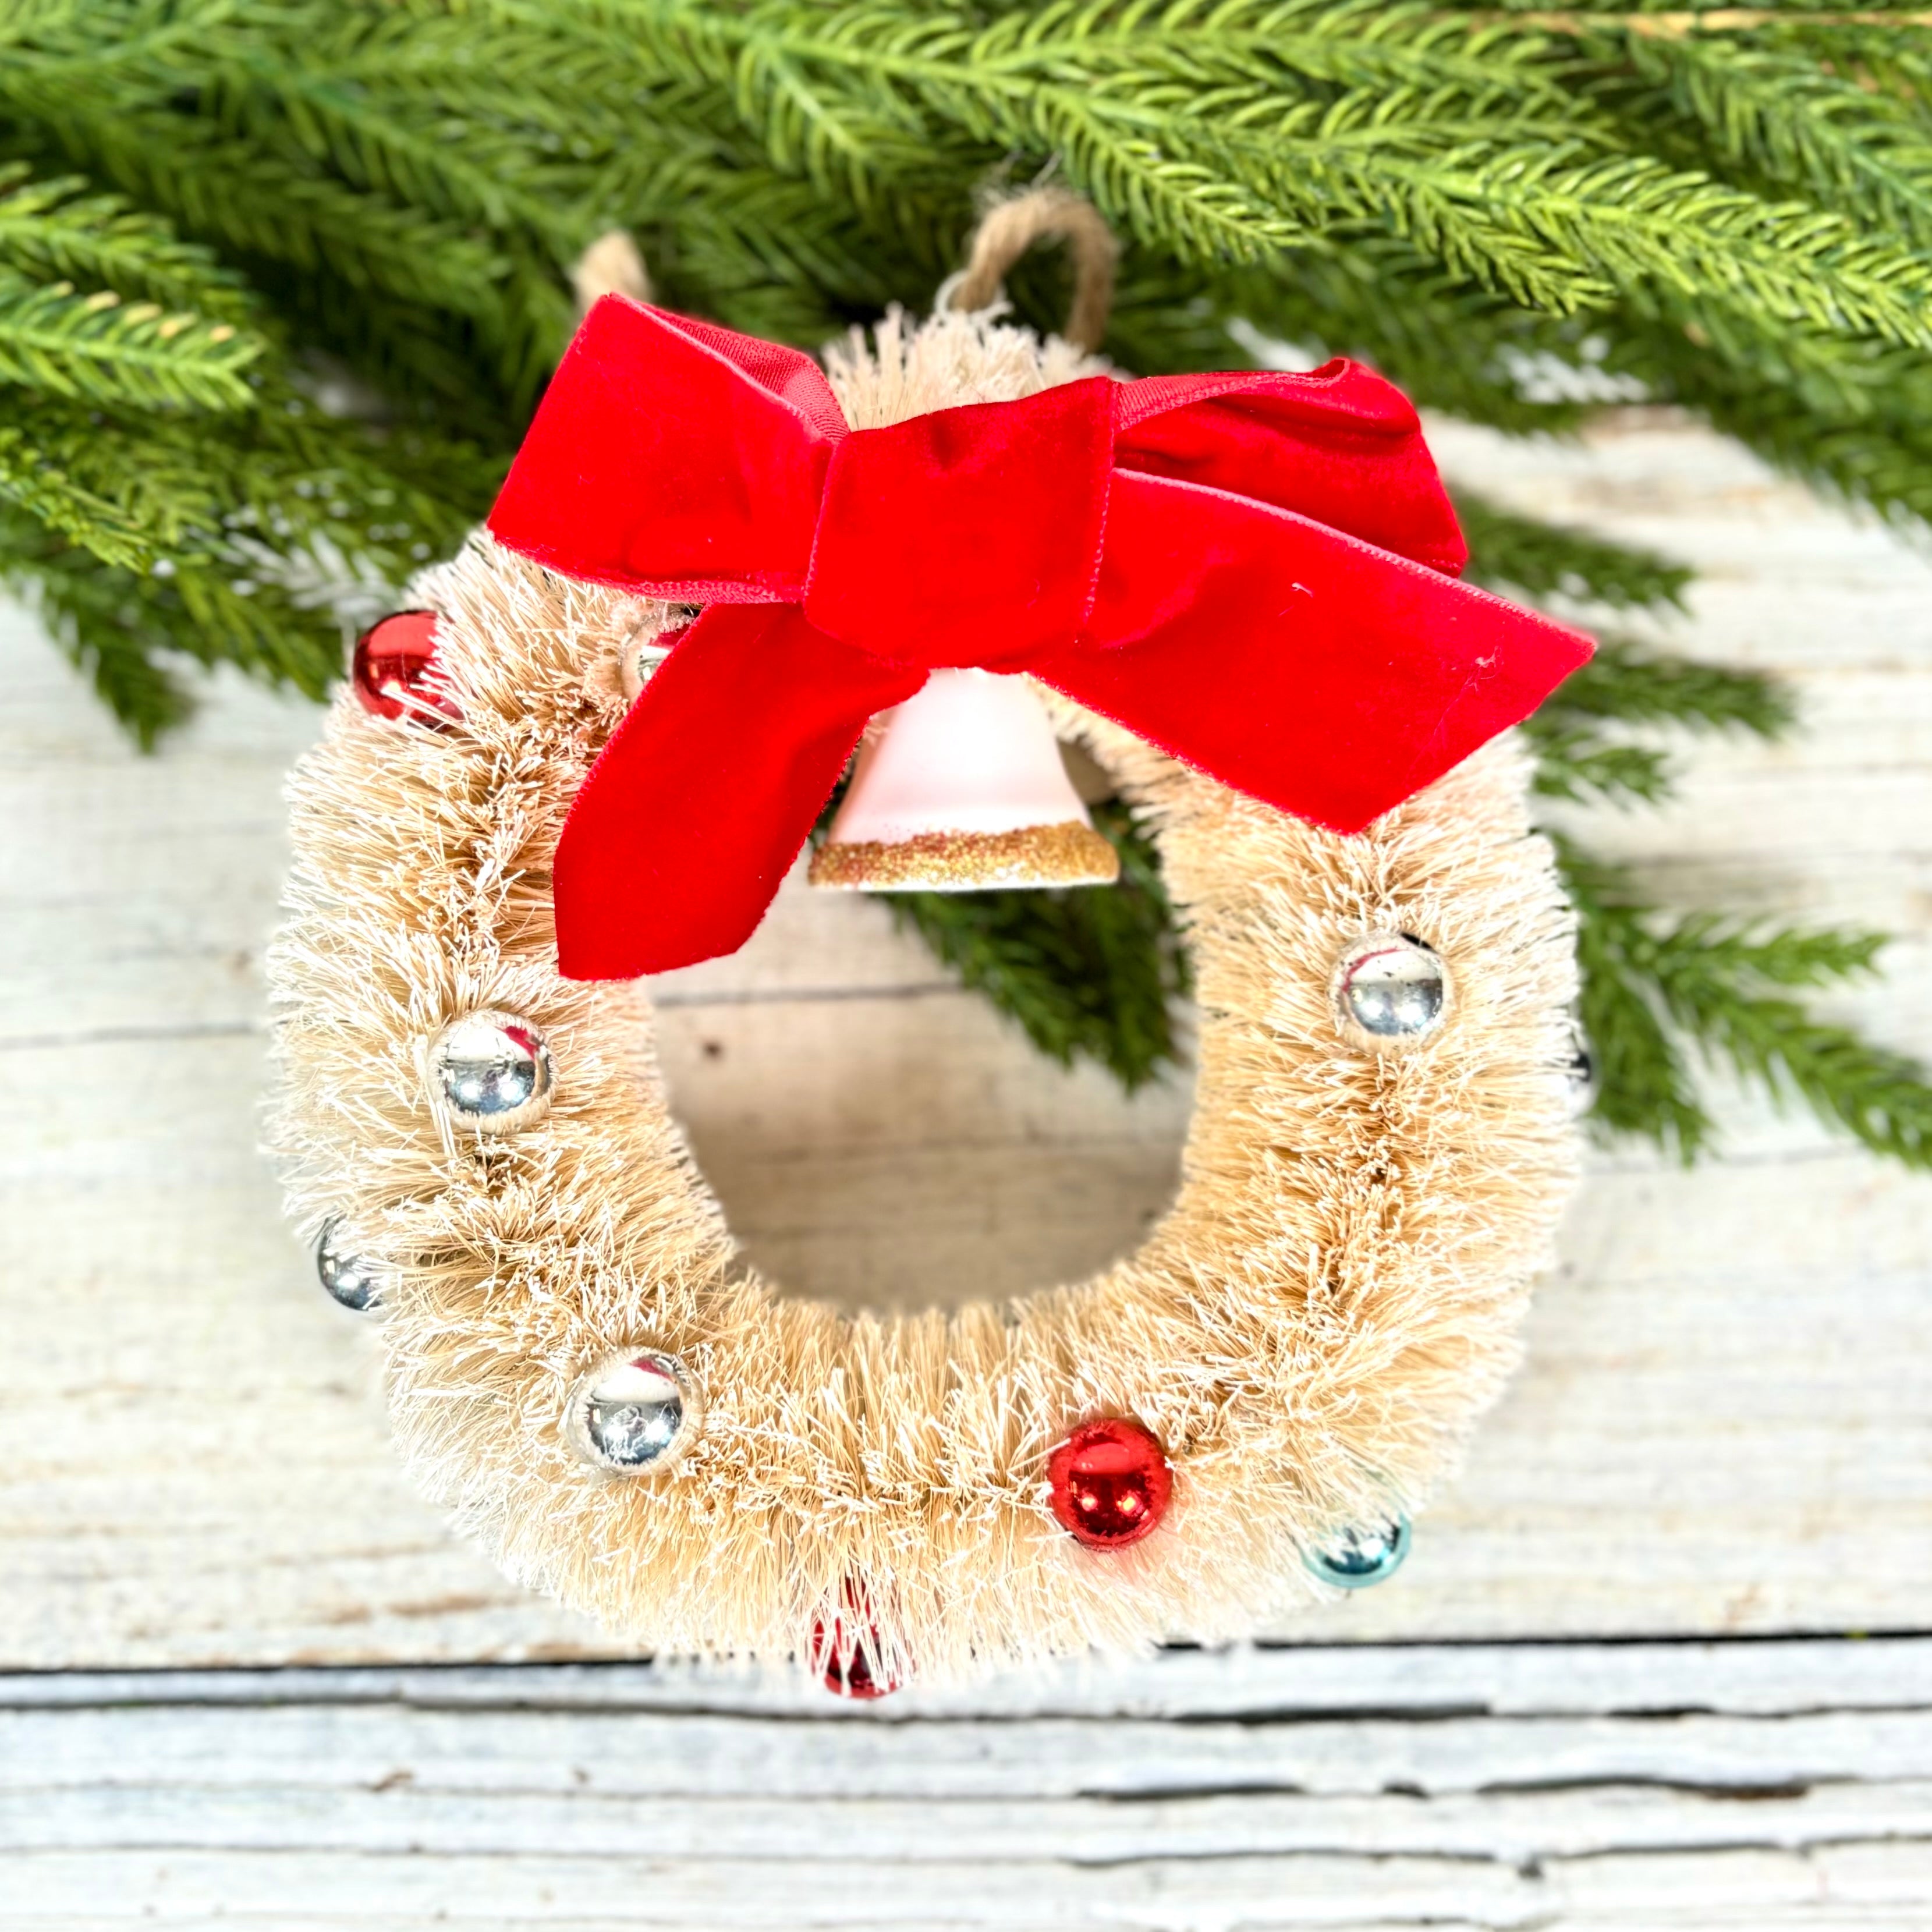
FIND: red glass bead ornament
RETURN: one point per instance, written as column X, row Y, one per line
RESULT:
column 1110, row 1482
column 846, row 1651
column 395, row 673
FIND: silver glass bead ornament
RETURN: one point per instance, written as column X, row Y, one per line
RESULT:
column 1391, row 990
column 492, row 1071
column 636, row 1413
column 344, row 1274
column 1352, row 1559
column 638, row 662
column 646, row 650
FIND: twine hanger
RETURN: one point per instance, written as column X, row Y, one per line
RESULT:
column 612, row 264
column 1008, row 229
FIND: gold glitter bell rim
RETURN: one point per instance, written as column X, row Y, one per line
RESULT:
column 960, row 788
column 1069, row 853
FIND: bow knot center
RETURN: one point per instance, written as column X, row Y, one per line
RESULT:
column 969, row 535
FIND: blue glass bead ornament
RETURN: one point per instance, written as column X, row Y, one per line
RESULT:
column 1352, row 1559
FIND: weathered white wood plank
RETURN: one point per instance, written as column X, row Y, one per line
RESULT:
column 1821, row 1891
column 1264, row 1682
column 1879, row 1883
column 1722, row 1426
column 1744, row 1785
column 691, row 1755
column 780, row 1893
column 394, row 1814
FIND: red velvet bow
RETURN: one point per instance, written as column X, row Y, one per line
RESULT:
column 1254, row 572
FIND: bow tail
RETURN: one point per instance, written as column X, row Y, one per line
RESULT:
column 1315, row 672
column 685, row 825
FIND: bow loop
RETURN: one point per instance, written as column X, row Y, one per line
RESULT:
column 674, row 459
column 1341, row 445
column 1254, row 572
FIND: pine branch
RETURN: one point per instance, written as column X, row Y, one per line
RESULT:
column 1538, row 559
column 851, row 96
column 1578, row 765
column 94, row 347
column 1784, row 116
column 256, row 539
column 109, row 622
column 234, row 615
column 55, row 230
column 1637, row 684
column 1088, row 972
column 427, row 367
column 31, row 483
column 1581, row 734
column 1643, row 1087
column 1634, row 225
column 1644, row 974
column 1853, row 419
column 1378, row 299
column 128, row 629
column 231, row 194
column 290, row 473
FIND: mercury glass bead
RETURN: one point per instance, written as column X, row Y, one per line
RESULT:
column 636, row 1412
column 346, row 1275
column 1352, row 1559
column 493, row 1072
column 1393, row 988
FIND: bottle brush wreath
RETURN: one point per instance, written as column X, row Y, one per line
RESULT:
column 600, row 737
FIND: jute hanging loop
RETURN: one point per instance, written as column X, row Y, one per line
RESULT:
column 1009, row 228
column 612, row 264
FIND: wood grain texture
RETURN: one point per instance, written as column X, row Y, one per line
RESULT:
column 1765, row 1784
column 1722, row 1427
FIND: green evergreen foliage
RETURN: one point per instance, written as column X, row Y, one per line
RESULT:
column 1582, row 734
column 1657, row 988
column 1524, row 558
column 280, row 279
column 1088, row 973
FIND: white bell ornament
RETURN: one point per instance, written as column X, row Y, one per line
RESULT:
column 959, row 789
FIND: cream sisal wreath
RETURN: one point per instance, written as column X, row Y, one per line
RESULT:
column 1307, row 1336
